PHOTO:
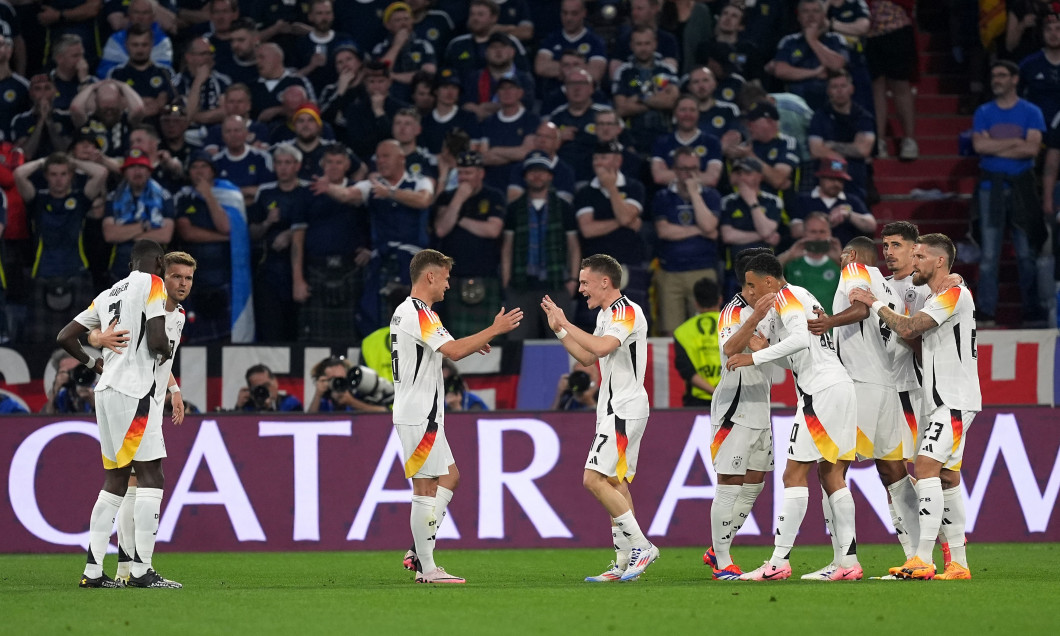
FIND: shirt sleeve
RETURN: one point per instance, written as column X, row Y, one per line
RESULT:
column 623, row 319
column 798, row 338
column 156, row 298
column 941, row 307
column 89, row 318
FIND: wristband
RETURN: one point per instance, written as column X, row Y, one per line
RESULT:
column 174, row 389
column 561, row 334
column 877, row 306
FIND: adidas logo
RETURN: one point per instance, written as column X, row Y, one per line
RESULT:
column 924, row 512
column 594, row 462
column 946, row 522
column 928, row 449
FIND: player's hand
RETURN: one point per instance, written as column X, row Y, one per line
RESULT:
column 951, row 281
column 178, row 408
column 114, row 339
column 484, row 350
column 763, row 305
column 361, row 256
column 821, row 324
column 98, row 366
column 505, row 322
column 861, row 295
column 556, row 318
column 739, row 360
column 758, row 342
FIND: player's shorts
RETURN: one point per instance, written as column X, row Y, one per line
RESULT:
column 824, row 426
column 616, row 447
column 123, row 424
column 912, row 402
column 943, row 436
column 880, row 422
column 735, row 449
column 425, row 450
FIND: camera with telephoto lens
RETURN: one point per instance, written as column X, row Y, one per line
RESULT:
column 81, row 376
column 261, row 395
column 366, row 384
column 578, row 381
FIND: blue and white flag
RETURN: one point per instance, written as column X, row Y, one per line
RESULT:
column 231, row 200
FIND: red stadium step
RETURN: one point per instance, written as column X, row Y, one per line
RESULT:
column 930, row 145
column 931, row 166
column 903, row 186
column 915, row 211
column 942, row 84
column 937, row 105
column 936, row 125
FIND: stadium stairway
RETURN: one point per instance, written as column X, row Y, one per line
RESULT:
column 935, row 190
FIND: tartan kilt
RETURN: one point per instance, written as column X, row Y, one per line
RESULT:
column 464, row 319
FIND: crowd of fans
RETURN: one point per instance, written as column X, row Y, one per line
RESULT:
column 516, row 136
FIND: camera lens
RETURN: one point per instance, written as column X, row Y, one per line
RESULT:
column 578, row 381
column 261, row 393
column 83, row 376
column 339, row 385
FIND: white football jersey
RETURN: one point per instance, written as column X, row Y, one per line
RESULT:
column 133, row 301
column 813, row 361
column 622, row 371
column 416, row 334
column 951, row 365
column 741, row 395
column 907, row 373
column 866, row 348
column 174, row 325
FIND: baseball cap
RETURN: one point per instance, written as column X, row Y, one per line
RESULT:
column 501, row 38
column 833, row 169
column 762, row 109
column 537, row 159
column 508, row 79
column 352, row 48
column 747, row 164
column 136, row 157
column 203, row 156
column 612, row 147
column 469, row 159
column 447, row 77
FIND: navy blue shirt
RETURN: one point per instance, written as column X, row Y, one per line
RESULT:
column 829, row 125
column 809, row 203
column 150, row 82
column 1040, row 84
column 478, row 256
column 253, row 167
column 57, row 225
column 257, row 132
column 394, row 222
column 502, row 132
column 331, row 228
column 696, row 252
column 275, row 265
column 736, row 213
column 14, row 99
column 623, row 244
column 720, row 118
column 214, row 257
column 578, row 152
column 434, row 130
column 632, row 80
column 437, row 28
column 794, row 50
column 307, row 46
column 706, row 147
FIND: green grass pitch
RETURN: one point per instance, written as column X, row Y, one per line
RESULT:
column 1015, row 590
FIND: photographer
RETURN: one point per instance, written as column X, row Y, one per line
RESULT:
column 576, row 390
column 342, row 387
column 457, row 397
column 72, row 388
column 262, row 393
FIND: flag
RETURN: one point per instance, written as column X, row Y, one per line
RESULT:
column 992, row 18
column 242, row 314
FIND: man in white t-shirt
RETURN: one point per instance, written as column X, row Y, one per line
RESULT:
column 952, row 396
column 418, row 342
column 124, row 393
column 620, row 344
column 824, row 431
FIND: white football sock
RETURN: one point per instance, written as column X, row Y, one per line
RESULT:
column 145, row 512
column 629, row 526
column 930, row 503
column 741, row 510
column 904, row 504
column 422, row 521
column 441, row 503
column 722, row 527
column 829, row 522
column 126, row 530
column 100, row 527
column 622, row 546
column 789, row 520
column 842, row 504
column 953, row 525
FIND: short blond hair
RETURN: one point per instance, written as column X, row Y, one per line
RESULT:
column 179, row 258
column 428, row 258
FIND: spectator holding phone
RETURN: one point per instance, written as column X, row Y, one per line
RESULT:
column 813, row 261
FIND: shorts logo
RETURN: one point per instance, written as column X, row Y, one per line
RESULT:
column 736, row 461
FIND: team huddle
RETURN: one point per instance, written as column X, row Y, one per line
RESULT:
column 888, row 375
